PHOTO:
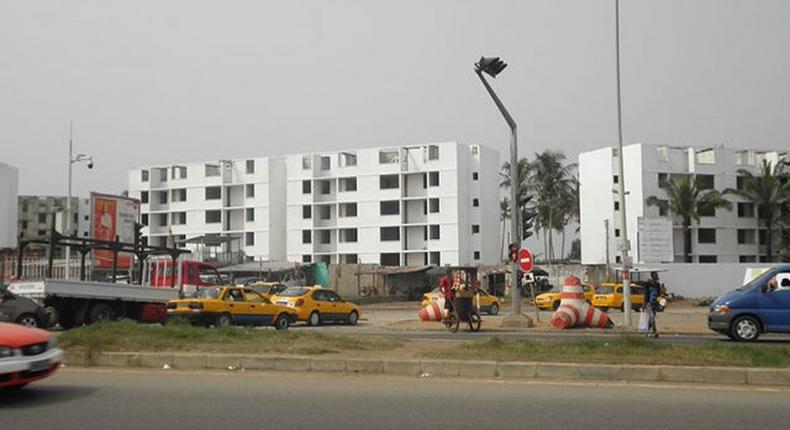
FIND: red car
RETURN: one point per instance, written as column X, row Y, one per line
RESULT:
column 26, row 355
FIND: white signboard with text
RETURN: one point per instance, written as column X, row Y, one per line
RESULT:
column 655, row 240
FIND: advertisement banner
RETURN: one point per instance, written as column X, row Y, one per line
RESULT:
column 111, row 216
column 655, row 240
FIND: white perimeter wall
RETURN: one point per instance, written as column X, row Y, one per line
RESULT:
column 704, row 280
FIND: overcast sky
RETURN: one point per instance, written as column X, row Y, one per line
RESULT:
column 151, row 82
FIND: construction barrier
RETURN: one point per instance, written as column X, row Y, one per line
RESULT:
column 433, row 312
column 574, row 311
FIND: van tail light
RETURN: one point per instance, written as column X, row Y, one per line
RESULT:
column 299, row 302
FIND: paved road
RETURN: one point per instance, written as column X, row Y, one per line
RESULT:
column 96, row 399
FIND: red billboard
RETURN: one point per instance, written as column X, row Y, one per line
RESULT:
column 113, row 216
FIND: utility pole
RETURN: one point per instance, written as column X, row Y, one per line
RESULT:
column 606, row 231
column 68, row 200
column 626, row 245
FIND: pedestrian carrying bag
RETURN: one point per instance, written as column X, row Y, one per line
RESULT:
column 643, row 322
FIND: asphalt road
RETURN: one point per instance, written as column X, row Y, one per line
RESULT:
column 101, row 399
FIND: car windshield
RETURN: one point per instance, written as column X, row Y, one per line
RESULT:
column 208, row 293
column 605, row 290
column 294, row 292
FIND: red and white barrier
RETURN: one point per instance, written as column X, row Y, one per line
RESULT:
column 433, row 312
column 574, row 311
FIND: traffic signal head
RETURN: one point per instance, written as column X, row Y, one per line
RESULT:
column 513, row 251
column 490, row 66
column 527, row 222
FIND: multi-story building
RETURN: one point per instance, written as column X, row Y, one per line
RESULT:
column 407, row 205
column 37, row 213
column 243, row 198
column 9, row 190
column 723, row 236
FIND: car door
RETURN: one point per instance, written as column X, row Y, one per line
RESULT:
column 7, row 309
column 323, row 305
column 261, row 311
column 773, row 302
column 340, row 308
column 236, row 305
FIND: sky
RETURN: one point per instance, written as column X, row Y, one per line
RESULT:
column 152, row 82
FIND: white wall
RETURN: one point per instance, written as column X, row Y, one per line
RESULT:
column 596, row 204
column 703, row 280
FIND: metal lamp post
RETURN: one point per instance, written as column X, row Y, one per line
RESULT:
column 72, row 159
column 492, row 67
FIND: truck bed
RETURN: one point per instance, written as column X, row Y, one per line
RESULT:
column 92, row 290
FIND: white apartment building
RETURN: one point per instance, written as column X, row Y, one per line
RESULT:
column 723, row 236
column 244, row 198
column 9, row 192
column 405, row 205
column 434, row 203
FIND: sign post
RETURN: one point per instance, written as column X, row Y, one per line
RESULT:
column 526, row 263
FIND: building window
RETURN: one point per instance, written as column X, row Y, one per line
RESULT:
column 306, row 187
column 762, row 237
column 706, row 156
column 42, row 218
column 747, row 259
column 324, row 237
column 475, row 228
column 162, row 197
column 433, row 179
column 144, row 220
column 615, row 152
column 249, row 239
column 347, row 184
column 434, row 231
column 347, row 159
column 617, row 259
column 745, row 210
column 433, row 152
column 663, row 153
column 326, row 187
column 706, row 235
column 347, row 210
column 250, row 190
column 250, row 164
column 387, row 182
column 178, row 218
column 740, row 182
column 435, row 258
column 179, row 195
column 144, row 197
column 705, row 182
column 348, row 235
column 307, row 236
column 433, row 206
column 617, row 232
column 615, row 179
column 144, row 175
column 305, row 162
column 746, row 236
column 324, row 212
column 250, row 214
column 307, row 212
column 390, row 259
column 307, row 258
column 617, row 206
column 212, row 170
column 663, row 208
column 477, row 255
column 213, row 217
column 326, row 163
column 475, row 176
column 706, row 211
column 707, row 259
column 213, row 193
column 389, row 157
column 662, row 180
column 389, row 234
column 390, row 207
column 475, row 202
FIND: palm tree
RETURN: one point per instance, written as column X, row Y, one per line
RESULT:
column 685, row 200
column 504, row 214
column 768, row 191
column 553, row 183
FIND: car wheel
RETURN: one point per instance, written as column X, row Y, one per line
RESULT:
column 494, row 309
column 745, row 329
column 28, row 320
column 353, row 317
column 282, row 322
column 556, row 305
column 223, row 320
column 101, row 313
column 314, row 319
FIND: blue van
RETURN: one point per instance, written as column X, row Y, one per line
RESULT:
column 761, row 306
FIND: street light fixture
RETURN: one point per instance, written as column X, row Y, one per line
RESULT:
column 492, row 66
column 72, row 159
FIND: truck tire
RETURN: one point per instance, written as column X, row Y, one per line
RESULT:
column 101, row 313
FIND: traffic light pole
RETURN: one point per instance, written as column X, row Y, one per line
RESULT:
column 514, row 183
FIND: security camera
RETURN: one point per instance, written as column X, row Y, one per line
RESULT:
column 90, row 164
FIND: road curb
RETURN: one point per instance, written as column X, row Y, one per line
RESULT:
column 431, row 368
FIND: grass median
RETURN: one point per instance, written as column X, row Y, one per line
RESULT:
column 622, row 350
column 131, row 336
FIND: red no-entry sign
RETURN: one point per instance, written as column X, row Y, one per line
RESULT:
column 525, row 260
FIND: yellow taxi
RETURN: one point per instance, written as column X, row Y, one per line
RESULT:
column 488, row 303
column 610, row 296
column 551, row 299
column 267, row 289
column 224, row 306
column 317, row 305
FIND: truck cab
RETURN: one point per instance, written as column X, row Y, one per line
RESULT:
column 760, row 306
column 191, row 276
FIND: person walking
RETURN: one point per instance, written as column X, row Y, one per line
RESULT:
column 652, row 292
